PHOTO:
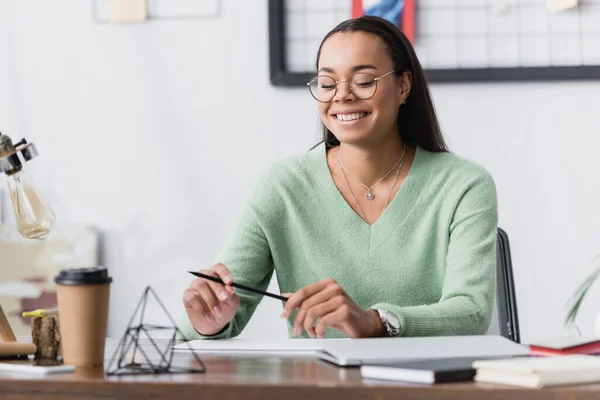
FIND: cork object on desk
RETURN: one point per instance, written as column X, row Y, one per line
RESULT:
column 45, row 334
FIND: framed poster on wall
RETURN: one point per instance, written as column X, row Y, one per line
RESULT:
column 399, row 12
column 456, row 41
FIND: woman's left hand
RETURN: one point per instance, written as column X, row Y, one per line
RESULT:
column 331, row 305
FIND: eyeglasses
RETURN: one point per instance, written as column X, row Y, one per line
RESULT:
column 362, row 85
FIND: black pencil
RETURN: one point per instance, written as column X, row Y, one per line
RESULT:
column 239, row 286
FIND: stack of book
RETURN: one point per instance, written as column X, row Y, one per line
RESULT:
column 561, row 361
column 538, row 372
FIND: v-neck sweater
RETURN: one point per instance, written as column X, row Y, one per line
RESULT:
column 429, row 259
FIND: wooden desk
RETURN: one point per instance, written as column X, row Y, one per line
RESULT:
column 260, row 378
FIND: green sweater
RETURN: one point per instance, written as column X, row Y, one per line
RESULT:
column 430, row 258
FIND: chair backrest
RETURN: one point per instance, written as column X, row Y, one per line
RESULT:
column 505, row 320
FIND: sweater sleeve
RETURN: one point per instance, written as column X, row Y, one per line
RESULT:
column 466, row 303
column 247, row 254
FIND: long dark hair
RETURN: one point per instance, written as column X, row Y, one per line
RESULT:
column 417, row 121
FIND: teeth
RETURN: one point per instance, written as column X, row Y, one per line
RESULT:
column 350, row 117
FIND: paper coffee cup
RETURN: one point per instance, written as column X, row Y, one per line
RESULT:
column 83, row 298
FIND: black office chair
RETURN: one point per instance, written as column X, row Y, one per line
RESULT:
column 505, row 320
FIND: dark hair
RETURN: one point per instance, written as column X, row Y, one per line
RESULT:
column 417, row 121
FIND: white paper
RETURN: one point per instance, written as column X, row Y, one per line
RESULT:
column 252, row 347
column 347, row 352
column 35, row 369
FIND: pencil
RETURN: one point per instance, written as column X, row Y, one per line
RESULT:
column 239, row 286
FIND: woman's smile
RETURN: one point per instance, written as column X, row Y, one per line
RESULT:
column 350, row 117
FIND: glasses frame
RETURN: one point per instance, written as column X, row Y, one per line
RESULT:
column 375, row 79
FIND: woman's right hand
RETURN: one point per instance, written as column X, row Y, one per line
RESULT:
column 210, row 305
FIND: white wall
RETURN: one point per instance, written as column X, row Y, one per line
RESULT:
column 154, row 131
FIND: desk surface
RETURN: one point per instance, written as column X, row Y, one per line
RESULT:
column 259, row 378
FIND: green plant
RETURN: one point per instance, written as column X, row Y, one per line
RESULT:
column 577, row 298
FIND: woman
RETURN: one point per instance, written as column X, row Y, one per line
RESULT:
column 377, row 231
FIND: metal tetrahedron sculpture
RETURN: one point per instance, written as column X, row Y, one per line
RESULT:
column 154, row 356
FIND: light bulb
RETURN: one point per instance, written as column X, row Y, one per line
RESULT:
column 34, row 216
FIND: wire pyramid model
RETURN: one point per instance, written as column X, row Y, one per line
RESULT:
column 154, row 356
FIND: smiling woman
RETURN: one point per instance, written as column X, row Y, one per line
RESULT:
column 376, row 231
column 370, row 38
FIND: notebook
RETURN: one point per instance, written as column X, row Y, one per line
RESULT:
column 423, row 371
column 566, row 345
column 538, row 372
column 355, row 352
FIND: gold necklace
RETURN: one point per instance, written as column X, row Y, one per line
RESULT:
column 352, row 192
column 369, row 195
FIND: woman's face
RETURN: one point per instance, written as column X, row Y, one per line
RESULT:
column 349, row 118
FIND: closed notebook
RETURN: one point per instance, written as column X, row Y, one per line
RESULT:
column 423, row 371
column 566, row 345
column 537, row 372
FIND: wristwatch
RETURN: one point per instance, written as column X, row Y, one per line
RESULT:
column 391, row 323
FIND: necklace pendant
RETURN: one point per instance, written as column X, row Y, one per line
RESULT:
column 370, row 196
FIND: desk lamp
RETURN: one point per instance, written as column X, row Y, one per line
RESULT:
column 35, row 219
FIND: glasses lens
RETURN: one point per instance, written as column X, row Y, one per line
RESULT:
column 322, row 88
column 363, row 85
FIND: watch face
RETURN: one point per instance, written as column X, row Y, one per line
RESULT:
column 392, row 319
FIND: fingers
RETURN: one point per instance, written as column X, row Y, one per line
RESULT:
column 211, row 305
column 208, row 291
column 222, row 272
column 286, row 295
column 333, row 292
column 195, row 304
column 233, row 302
column 317, row 312
column 213, row 309
column 336, row 317
column 190, row 301
column 205, row 296
column 301, row 295
column 222, row 292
